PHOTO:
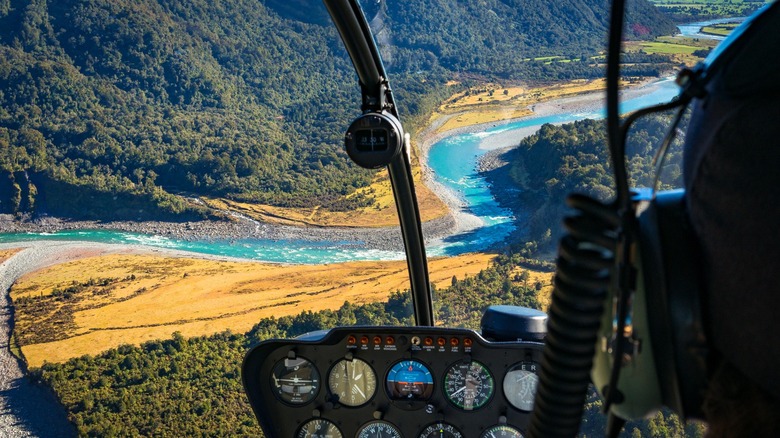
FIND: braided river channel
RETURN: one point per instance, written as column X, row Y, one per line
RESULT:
column 453, row 162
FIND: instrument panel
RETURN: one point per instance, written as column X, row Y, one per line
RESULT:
column 412, row 382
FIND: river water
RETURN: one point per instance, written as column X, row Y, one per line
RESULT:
column 694, row 29
column 453, row 162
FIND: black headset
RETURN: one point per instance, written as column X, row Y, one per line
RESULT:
column 627, row 310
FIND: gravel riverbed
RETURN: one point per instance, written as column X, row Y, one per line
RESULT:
column 27, row 409
column 239, row 228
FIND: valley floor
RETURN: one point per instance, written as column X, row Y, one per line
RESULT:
column 207, row 287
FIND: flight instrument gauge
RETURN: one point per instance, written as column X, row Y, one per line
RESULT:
column 352, row 381
column 295, row 381
column 318, row 428
column 409, row 380
column 520, row 385
column 374, row 139
column 378, row 429
column 440, row 430
column 501, row 431
column 469, row 385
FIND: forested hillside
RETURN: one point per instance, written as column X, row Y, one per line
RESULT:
column 108, row 107
column 573, row 158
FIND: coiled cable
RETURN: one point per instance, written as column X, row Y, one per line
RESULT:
column 586, row 259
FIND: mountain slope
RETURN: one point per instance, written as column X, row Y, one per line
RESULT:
column 107, row 107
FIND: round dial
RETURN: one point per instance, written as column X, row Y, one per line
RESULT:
column 352, row 381
column 409, row 380
column 318, row 428
column 468, row 385
column 501, row 431
column 378, row 429
column 440, row 430
column 520, row 385
column 295, row 381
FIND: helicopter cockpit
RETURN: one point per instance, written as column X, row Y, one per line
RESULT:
column 421, row 381
column 428, row 381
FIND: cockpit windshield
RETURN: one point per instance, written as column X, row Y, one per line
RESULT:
column 175, row 188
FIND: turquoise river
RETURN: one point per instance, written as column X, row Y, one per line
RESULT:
column 453, row 161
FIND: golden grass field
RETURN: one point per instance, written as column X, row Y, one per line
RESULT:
column 494, row 102
column 136, row 298
column 381, row 214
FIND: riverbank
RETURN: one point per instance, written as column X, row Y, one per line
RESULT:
column 239, row 227
column 497, row 142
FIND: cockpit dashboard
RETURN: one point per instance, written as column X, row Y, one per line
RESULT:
column 367, row 381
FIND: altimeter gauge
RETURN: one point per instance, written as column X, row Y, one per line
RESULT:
column 469, row 385
column 520, row 385
column 295, row 381
column 353, row 382
column 318, row 428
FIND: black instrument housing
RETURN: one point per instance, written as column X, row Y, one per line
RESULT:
column 324, row 349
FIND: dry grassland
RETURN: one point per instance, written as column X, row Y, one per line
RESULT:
column 381, row 214
column 135, row 298
column 494, row 102
column 679, row 48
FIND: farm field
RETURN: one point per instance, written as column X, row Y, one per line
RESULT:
column 703, row 9
column 719, row 29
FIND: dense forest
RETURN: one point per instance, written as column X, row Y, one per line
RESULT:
column 573, row 158
column 110, row 108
